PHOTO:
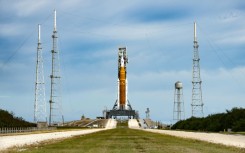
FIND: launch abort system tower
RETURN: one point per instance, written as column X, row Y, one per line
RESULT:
column 122, row 106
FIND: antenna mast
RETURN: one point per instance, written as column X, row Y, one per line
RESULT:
column 40, row 102
column 55, row 116
column 197, row 103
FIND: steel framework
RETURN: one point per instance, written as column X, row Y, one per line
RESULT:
column 147, row 113
column 197, row 103
column 179, row 111
column 40, row 102
column 55, row 116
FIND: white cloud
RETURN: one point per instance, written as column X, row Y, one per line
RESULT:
column 234, row 37
column 28, row 7
column 10, row 29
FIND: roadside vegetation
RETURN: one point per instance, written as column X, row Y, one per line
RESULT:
column 10, row 120
column 125, row 140
column 231, row 120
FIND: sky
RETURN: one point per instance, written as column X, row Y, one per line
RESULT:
column 158, row 36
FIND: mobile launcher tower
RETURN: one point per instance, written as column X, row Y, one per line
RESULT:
column 122, row 106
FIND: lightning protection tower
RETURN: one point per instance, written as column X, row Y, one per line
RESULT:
column 40, row 102
column 197, row 103
column 179, row 112
column 55, row 116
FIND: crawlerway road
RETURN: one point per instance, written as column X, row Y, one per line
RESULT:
column 21, row 140
column 225, row 139
column 28, row 139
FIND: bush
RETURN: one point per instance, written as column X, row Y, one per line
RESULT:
column 239, row 126
column 234, row 119
column 9, row 120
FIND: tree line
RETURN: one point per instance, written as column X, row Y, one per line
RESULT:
column 233, row 119
column 10, row 120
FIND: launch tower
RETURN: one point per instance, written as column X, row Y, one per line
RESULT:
column 122, row 106
column 197, row 103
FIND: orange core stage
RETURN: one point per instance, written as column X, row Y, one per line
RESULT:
column 122, row 79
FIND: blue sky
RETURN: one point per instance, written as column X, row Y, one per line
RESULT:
column 159, row 40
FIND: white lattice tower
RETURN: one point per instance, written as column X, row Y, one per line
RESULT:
column 197, row 103
column 40, row 101
column 55, row 116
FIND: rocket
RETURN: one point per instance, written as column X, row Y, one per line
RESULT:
column 122, row 100
column 122, row 84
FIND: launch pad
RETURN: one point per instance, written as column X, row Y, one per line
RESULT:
column 114, row 113
column 122, row 106
column 131, row 114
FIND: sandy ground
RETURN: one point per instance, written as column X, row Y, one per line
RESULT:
column 21, row 140
column 28, row 139
column 229, row 140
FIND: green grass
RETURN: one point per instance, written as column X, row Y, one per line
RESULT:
column 124, row 140
column 241, row 133
column 70, row 128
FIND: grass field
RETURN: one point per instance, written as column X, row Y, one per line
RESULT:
column 124, row 140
